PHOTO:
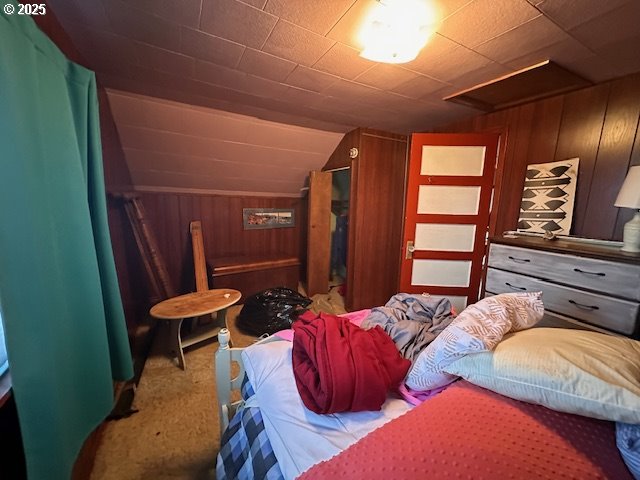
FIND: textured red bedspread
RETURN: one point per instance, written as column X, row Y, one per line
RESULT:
column 467, row 432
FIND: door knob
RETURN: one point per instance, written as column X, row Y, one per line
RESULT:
column 410, row 249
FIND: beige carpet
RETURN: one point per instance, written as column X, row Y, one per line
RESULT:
column 175, row 434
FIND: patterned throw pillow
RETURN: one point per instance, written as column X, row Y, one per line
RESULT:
column 478, row 328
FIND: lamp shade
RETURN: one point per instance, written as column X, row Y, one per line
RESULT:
column 629, row 195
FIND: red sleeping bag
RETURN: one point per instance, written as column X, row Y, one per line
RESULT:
column 339, row 367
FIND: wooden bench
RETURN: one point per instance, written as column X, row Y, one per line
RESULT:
column 253, row 273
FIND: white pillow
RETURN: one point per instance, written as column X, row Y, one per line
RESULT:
column 478, row 328
column 574, row 371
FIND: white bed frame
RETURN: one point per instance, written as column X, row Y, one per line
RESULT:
column 225, row 355
column 225, row 383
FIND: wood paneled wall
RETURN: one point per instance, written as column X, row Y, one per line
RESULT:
column 169, row 216
column 598, row 124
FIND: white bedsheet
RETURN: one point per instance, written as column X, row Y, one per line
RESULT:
column 300, row 437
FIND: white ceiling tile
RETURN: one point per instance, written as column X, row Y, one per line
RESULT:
column 91, row 16
column 485, row 74
column 318, row 16
column 418, row 87
column 482, row 20
column 437, row 48
column 300, row 96
column 164, row 60
column 265, row 65
column 155, row 47
column 98, row 48
column 333, row 104
column 261, row 87
column 388, row 101
column 210, row 48
column 385, row 76
column 343, row 61
column 255, row 3
column 623, row 56
column 448, row 7
column 524, row 39
column 446, row 61
column 143, row 26
column 310, row 79
column 182, row 12
column 350, row 90
column 347, row 28
column 296, row 44
column 236, row 21
column 595, row 69
column 563, row 53
column 571, row 13
column 611, row 27
column 217, row 74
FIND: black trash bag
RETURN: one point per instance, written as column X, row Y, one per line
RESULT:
column 271, row 310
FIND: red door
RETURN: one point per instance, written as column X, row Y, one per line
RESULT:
column 447, row 214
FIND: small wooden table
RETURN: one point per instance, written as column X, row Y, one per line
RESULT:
column 194, row 305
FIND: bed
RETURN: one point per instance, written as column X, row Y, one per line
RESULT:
column 510, row 413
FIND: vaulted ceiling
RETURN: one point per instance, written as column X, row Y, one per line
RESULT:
column 170, row 146
column 247, row 96
column 296, row 61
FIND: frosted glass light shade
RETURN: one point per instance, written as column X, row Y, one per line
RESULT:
column 396, row 30
column 629, row 195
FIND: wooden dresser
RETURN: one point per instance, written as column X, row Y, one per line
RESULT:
column 584, row 285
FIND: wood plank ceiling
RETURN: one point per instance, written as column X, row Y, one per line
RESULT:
column 296, row 61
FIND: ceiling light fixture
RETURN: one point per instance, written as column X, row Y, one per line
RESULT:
column 396, row 30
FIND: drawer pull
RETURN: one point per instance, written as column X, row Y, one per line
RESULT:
column 597, row 274
column 519, row 260
column 583, row 306
column 514, row 287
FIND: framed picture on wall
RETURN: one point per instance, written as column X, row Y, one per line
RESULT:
column 256, row 218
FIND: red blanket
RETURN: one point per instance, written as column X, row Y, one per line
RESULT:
column 340, row 367
column 469, row 432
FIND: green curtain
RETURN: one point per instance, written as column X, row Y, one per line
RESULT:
column 64, row 323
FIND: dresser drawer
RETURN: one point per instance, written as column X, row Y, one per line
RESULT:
column 619, row 279
column 612, row 313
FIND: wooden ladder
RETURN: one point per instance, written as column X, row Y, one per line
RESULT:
column 147, row 246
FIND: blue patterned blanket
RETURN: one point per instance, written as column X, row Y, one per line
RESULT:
column 245, row 450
